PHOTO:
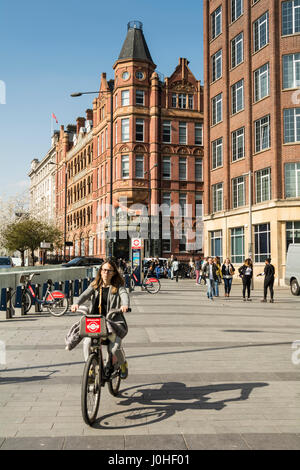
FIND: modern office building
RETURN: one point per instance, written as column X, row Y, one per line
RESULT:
column 252, row 130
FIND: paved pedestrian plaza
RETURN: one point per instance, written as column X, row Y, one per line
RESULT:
column 222, row 374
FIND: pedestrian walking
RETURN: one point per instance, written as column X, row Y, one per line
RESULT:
column 175, row 266
column 170, row 267
column 269, row 273
column 227, row 273
column 210, row 274
column 198, row 269
column 246, row 273
column 219, row 275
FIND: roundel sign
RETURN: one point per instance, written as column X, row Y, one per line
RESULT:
column 136, row 243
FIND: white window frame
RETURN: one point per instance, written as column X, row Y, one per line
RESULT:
column 234, row 5
column 125, row 98
column 125, row 130
column 237, row 136
column 238, row 192
column 262, row 178
column 139, row 159
column 125, row 167
column 217, row 197
column 217, row 153
column 262, row 23
column 236, row 43
column 217, row 112
column 237, row 96
column 262, row 127
column 182, row 133
column 216, row 22
column 166, row 165
column 260, row 75
column 216, row 65
column 291, row 120
column 140, row 96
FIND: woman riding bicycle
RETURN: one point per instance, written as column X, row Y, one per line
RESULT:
column 109, row 287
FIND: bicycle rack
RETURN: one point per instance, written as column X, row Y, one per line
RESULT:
column 5, row 305
column 19, row 307
column 37, row 306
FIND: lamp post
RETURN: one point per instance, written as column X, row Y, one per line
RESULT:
column 111, row 88
column 250, row 242
column 149, row 208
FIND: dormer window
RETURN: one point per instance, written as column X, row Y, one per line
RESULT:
column 182, row 101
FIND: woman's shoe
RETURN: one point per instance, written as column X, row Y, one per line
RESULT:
column 124, row 370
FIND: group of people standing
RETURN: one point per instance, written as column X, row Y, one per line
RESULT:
column 213, row 273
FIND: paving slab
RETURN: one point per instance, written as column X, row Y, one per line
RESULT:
column 202, row 374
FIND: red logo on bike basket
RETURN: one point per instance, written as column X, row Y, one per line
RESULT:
column 92, row 325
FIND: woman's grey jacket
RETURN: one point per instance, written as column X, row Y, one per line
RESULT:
column 114, row 301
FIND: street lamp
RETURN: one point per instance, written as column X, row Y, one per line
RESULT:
column 149, row 208
column 250, row 243
column 111, row 88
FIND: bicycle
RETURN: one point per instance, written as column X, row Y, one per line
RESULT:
column 150, row 284
column 55, row 301
column 96, row 374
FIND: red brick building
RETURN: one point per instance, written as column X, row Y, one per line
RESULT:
column 252, row 129
column 155, row 126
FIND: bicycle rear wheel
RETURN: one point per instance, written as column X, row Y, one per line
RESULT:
column 91, row 389
column 152, row 286
column 58, row 306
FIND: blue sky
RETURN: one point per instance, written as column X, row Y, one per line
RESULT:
column 52, row 48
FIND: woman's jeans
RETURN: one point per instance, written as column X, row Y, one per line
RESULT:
column 210, row 283
column 246, row 286
column 115, row 346
column 227, row 285
column 216, row 289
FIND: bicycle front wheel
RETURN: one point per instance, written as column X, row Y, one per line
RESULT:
column 58, row 303
column 152, row 285
column 114, row 382
column 91, row 389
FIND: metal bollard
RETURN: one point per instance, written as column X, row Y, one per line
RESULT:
column 71, row 291
column 45, row 285
column 84, row 284
column 3, row 303
column 9, row 310
column 37, row 306
column 19, row 307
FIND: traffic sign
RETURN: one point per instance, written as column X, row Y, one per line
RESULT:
column 136, row 243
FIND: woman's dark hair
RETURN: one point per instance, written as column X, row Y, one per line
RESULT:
column 248, row 262
column 116, row 280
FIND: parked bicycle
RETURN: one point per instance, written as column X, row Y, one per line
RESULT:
column 97, row 373
column 54, row 301
column 150, row 283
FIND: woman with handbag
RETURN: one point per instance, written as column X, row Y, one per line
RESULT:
column 219, row 276
column 227, row 273
column 246, row 273
column 106, row 293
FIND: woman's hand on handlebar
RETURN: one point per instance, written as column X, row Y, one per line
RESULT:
column 125, row 309
column 74, row 308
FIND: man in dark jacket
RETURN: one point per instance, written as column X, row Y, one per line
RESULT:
column 269, row 273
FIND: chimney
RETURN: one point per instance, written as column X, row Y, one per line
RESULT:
column 80, row 123
column 89, row 114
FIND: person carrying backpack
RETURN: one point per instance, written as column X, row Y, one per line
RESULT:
column 269, row 273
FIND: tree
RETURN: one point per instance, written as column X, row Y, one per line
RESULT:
column 27, row 234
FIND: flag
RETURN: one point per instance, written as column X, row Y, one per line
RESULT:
column 54, row 117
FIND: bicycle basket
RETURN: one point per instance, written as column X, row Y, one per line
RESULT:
column 93, row 326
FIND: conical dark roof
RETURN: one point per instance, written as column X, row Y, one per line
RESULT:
column 135, row 46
